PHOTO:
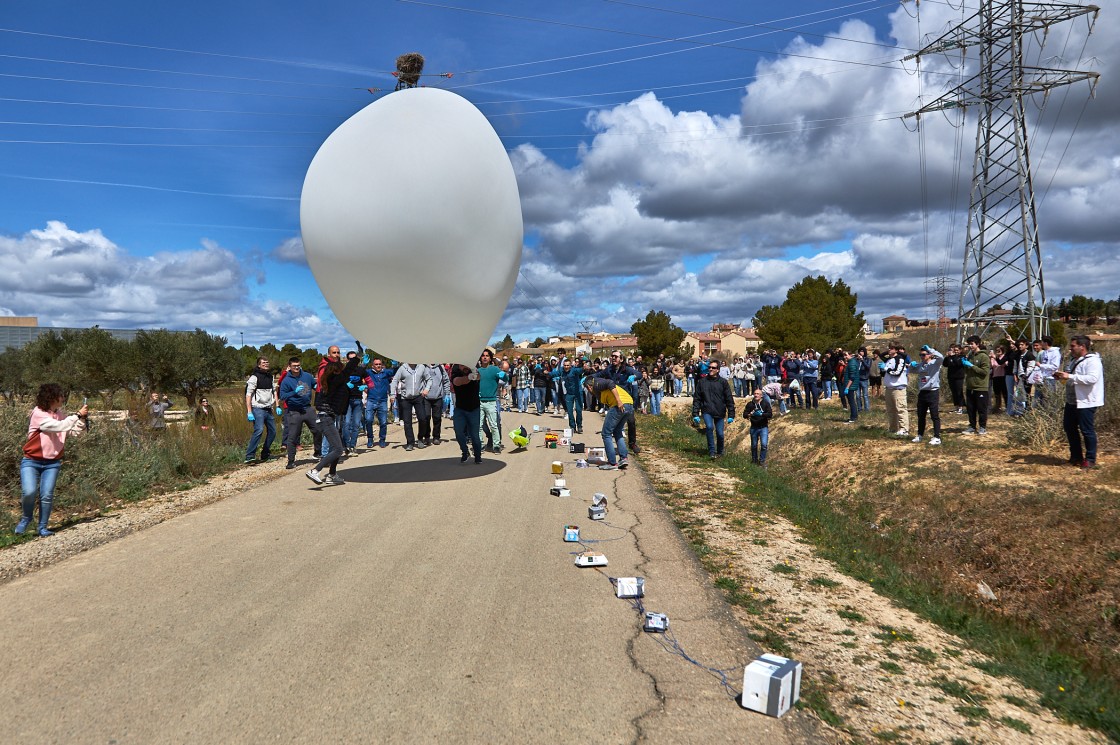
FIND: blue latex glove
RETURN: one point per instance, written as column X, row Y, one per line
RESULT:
column 925, row 348
column 363, row 387
column 914, row 363
column 696, row 419
column 845, row 391
column 300, row 387
column 501, row 375
column 630, row 379
column 882, row 365
column 279, row 411
column 349, row 385
column 365, row 359
column 966, row 362
column 250, row 417
column 730, row 419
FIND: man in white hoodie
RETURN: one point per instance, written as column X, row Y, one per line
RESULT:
column 895, row 379
column 1084, row 395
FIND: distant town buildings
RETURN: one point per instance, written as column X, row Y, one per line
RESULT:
column 19, row 331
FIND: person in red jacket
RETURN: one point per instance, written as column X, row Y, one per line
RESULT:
column 42, row 453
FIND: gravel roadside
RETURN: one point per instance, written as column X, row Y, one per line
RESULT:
column 27, row 557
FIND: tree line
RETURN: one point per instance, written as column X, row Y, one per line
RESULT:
column 95, row 364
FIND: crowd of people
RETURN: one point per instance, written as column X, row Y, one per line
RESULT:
column 352, row 396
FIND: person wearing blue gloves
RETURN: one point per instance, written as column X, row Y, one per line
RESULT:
column 978, row 368
column 714, row 402
column 260, row 399
column 295, row 392
column 928, row 369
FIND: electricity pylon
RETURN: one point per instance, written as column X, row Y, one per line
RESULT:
column 1002, row 261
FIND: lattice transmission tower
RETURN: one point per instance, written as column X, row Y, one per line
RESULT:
column 1002, row 261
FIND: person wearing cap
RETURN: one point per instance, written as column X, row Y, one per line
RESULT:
column 928, row 369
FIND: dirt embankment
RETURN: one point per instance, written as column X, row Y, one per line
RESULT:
column 1039, row 535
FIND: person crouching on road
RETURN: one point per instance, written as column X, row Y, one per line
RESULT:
column 42, row 453
column 620, row 403
column 759, row 412
column 331, row 404
column 713, row 401
column 928, row 367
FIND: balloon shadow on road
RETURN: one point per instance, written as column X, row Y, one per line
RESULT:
column 438, row 469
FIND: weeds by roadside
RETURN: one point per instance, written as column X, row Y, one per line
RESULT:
column 908, row 527
column 120, row 461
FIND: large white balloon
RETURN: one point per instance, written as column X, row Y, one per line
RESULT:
column 411, row 222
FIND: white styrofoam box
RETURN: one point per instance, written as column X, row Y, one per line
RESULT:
column 597, row 513
column 629, row 587
column 655, row 623
column 591, row 559
column 771, row 685
column 568, row 433
column 559, row 482
column 571, row 534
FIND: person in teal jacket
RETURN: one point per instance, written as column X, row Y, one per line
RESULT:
column 849, row 385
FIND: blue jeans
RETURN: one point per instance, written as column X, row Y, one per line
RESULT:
column 37, row 478
column 521, row 398
column 795, row 399
column 538, row 398
column 466, row 424
column 262, row 420
column 1078, row 424
column 352, row 426
column 812, row 392
column 378, row 410
column 677, row 385
column 828, row 389
column 862, row 398
column 760, row 440
column 574, row 406
column 614, row 432
column 1012, row 404
column 714, row 430
column 853, row 408
column 655, row 401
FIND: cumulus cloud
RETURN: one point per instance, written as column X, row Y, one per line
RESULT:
column 78, row 279
column 290, row 251
column 816, row 173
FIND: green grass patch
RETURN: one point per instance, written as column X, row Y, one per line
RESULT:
column 891, row 667
column 850, row 614
column 783, row 569
column 824, row 582
column 1016, row 724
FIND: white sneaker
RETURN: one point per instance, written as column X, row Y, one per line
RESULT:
column 917, row 439
column 982, row 431
column 334, row 479
column 314, row 476
column 935, row 441
column 969, row 431
column 903, row 433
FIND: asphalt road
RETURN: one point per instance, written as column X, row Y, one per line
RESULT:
column 424, row 601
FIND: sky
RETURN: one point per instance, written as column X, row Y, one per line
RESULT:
column 697, row 159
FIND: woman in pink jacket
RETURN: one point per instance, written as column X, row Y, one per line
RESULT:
column 42, row 453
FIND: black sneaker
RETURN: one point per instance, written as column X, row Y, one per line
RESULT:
column 290, row 466
column 407, row 448
column 464, row 457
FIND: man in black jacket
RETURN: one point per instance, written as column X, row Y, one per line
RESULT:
column 713, row 400
column 759, row 412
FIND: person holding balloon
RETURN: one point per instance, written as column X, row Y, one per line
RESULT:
column 489, row 378
column 331, row 405
column 464, row 382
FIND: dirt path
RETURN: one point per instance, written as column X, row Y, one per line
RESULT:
column 890, row 675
